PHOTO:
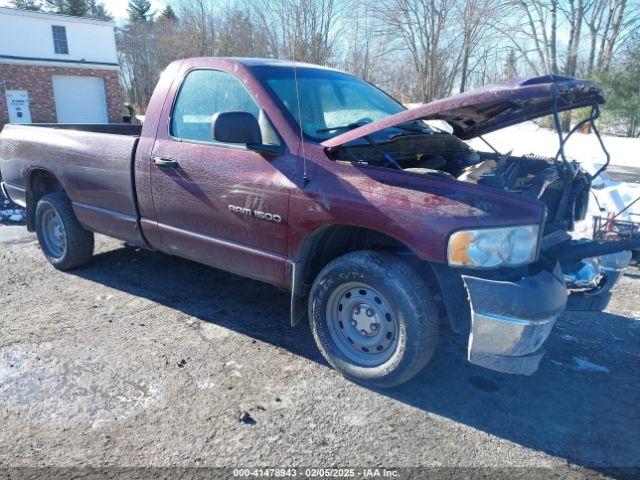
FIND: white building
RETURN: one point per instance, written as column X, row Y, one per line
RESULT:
column 56, row 68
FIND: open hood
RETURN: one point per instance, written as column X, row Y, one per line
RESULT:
column 490, row 108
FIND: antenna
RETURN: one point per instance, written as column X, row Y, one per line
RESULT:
column 305, row 178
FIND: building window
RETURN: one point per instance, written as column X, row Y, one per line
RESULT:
column 60, row 39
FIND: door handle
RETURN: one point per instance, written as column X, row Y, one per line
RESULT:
column 165, row 162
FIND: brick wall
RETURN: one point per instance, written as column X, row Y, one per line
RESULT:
column 37, row 81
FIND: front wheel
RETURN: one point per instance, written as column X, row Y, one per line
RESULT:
column 64, row 242
column 373, row 318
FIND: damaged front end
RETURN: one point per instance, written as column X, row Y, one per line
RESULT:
column 590, row 279
column 503, row 285
column 510, row 320
column 508, row 314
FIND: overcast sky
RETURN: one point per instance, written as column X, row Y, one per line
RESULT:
column 117, row 8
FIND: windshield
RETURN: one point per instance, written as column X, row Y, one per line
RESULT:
column 330, row 102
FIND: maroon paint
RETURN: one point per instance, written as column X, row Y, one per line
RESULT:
column 185, row 211
column 93, row 168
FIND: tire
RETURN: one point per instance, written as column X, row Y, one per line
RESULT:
column 402, row 332
column 64, row 242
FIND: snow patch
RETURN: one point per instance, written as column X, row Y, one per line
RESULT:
column 75, row 387
column 607, row 195
column 528, row 137
column 12, row 214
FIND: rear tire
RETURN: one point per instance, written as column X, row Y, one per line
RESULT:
column 64, row 242
column 373, row 318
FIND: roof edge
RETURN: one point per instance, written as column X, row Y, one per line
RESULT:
column 50, row 16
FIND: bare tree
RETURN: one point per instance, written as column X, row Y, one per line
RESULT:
column 611, row 23
column 306, row 30
column 574, row 13
column 198, row 25
column 423, row 29
column 535, row 33
column 363, row 45
column 476, row 18
column 417, row 50
column 138, row 66
column 238, row 35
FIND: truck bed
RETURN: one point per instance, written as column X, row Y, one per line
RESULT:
column 94, row 164
column 110, row 128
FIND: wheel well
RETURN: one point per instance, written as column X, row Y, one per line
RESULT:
column 39, row 183
column 328, row 243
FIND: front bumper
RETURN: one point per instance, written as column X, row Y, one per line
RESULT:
column 592, row 291
column 15, row 194
column 511, row 320
column 3, row 189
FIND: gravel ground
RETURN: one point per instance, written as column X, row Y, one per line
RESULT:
column 146, row 359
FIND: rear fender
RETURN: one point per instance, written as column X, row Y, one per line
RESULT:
column 39, row 182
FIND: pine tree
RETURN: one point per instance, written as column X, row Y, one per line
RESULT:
column 98, row 10
column 78, row 8
column 621, row 86
column 75, row 8
column 33, row 5
column 168, row 14
column 139, row 11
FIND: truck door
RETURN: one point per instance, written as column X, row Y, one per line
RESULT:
column 220, row 204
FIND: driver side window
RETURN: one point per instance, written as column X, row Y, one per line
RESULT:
column 204, row 93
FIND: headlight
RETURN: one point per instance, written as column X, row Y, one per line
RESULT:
column 493, row 247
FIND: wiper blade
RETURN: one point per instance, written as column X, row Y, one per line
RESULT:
column 351, row 126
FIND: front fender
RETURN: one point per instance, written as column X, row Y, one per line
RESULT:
column 420, row 211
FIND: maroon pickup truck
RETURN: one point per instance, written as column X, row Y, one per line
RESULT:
column 381, row 226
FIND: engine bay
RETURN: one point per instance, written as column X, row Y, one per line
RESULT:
column 562, row 186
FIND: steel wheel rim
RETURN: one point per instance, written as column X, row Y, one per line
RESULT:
column 362, row 324
column 53, row 233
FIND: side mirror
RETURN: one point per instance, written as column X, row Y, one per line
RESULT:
column 236, row 127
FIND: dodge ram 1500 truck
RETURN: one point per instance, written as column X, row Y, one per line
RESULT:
column 381, row 226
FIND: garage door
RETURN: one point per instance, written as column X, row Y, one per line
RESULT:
column 80, row 99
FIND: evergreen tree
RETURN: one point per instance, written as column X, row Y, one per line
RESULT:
column 168, row 14
column 33, row 5
column 621, row 85
column 139, row 11
column 78, row 8
column 75, row 8
column 98, row 10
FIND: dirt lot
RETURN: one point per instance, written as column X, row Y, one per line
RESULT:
column 141, row 358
